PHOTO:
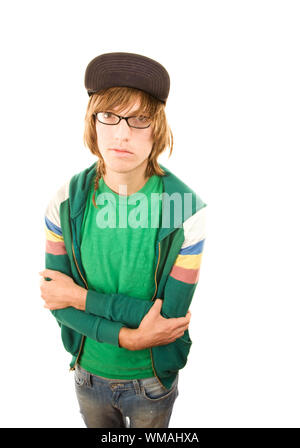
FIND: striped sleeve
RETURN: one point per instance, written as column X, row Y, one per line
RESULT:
column 187, row 264
column 71, row 319
column 54, row 239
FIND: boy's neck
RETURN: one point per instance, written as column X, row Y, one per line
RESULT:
column 126, row 183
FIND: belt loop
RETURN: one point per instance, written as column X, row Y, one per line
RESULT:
column 88, row 379
column 137, row 387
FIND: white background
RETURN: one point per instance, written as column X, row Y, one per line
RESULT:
column 234, row 67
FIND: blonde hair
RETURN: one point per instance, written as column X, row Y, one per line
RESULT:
column 121, row 98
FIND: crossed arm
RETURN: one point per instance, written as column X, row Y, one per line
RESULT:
column 147, row 327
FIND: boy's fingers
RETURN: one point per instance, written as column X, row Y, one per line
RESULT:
column 158, row 303
column 179, row 321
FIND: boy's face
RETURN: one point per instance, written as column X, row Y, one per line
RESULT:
column 137, row 141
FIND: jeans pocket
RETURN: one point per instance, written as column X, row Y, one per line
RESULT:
column 154, row 391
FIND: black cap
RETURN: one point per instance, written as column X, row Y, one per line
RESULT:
column 127, row 70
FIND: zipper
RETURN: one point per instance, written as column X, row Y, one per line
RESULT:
column 150, row 348
column 78, row 267
column 83, row 337
column 156, row 272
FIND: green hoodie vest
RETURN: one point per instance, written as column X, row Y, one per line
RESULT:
column 178, row 256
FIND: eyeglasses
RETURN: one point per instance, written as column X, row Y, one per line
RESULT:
column 111, row 119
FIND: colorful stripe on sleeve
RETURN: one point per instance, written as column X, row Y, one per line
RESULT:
column 54, row 238
column 187, row 264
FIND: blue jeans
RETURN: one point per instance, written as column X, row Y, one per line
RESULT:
column 111, row 403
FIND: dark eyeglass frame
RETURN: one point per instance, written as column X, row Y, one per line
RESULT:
column 120, row 118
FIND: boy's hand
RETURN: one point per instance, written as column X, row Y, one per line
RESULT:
column 155, row 330
column 61, row 291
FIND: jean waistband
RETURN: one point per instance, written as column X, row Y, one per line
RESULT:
column 146, row 381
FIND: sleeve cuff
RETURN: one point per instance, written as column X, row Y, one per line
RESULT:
column 95, row 304
column 108, row 331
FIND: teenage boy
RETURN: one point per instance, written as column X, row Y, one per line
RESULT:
column 123, row 263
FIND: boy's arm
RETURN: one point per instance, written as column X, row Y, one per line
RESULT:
column 56, row 258
column 97, row 328
column 179, row 291
column 184, row 276
column 118, row 309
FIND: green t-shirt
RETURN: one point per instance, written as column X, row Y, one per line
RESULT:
column 118, row 255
